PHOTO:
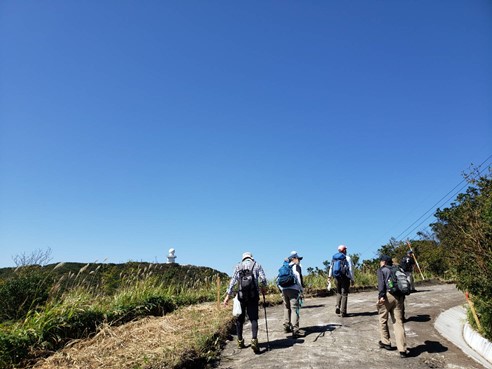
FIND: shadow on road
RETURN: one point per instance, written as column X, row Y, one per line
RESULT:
column 418, row 318
column 431, row 347
column 418, row 291
column 313, row 306
column 365, row 313
column 320, row 330
column 305, row 331
column 279, row 344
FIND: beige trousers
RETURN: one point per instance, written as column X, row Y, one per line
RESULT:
column 291, row 309
column 392, row 307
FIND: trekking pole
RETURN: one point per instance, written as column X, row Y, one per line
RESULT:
column 266, row 322
column 299, row 304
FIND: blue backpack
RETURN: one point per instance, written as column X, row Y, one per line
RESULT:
column 340, row 265
column 285, row 276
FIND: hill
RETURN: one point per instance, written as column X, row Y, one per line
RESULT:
column 110, row 277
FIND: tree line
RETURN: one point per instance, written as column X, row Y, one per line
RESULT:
column 458, row 248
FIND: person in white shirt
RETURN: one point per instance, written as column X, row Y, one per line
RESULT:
column 292, row 296
column 342, row 270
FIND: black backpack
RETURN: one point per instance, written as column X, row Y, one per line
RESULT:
column 407, row 264
column 248, row 290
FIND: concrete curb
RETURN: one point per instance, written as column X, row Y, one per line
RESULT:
column 480, row 344
column 451, row 325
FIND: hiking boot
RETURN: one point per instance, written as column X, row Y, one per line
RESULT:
column 240, row 343
column 295, row 334
column 403, row 354
column 344, row 315
column 287, row 328
column 337, row 310
column 385, row 346
column 254, row 345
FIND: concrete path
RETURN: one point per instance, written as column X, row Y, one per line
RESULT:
column 352, row 342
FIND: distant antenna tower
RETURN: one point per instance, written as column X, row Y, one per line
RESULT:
column 171, row 257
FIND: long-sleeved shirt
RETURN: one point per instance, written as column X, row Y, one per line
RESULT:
column 258, row 274
column 384, row 274
column 350, row 265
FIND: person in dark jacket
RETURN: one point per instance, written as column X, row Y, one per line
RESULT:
column 390, row 305
column 408, row 265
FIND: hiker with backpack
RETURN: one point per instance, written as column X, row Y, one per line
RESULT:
column 408, row 265
column 290, row 283
column 390, row 303
column 249, row 276
column 342, row 270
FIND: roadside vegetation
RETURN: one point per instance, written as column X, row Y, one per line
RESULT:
column 457, row 249
column 45, row 307
column 42, row 308
column 464, row 231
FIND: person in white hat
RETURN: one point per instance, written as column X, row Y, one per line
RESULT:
column 250, row 278
column 292, row 294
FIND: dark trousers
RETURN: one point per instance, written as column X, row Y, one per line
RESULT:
column 343, row 285
column 250, row 308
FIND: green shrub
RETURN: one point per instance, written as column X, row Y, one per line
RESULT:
column 44, row 315
column 66, row 327
column 24, row 291
column 484, row 311
column 13, row 348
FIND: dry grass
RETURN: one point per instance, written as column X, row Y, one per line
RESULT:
column 153, row 342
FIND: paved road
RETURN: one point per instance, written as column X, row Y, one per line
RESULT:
column 352, row 342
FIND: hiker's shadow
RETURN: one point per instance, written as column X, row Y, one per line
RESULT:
column 320, row 330
column 419, row 318
column 431, row 347
column 313, row 306
column 365, row 313
column 280, row 344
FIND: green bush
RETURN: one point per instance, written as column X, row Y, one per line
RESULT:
column 465, row 231
column 67, row 327
column 483, row 308
column 13, row 348
column 24, row 291
column 151, row 305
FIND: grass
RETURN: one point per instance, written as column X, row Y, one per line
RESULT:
column 177, row 322
column 191, row 334
column 82, row 309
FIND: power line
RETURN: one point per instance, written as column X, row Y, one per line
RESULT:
column 457, row 192
column 433, row 207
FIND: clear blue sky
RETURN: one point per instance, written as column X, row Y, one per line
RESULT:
column 218, row 127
